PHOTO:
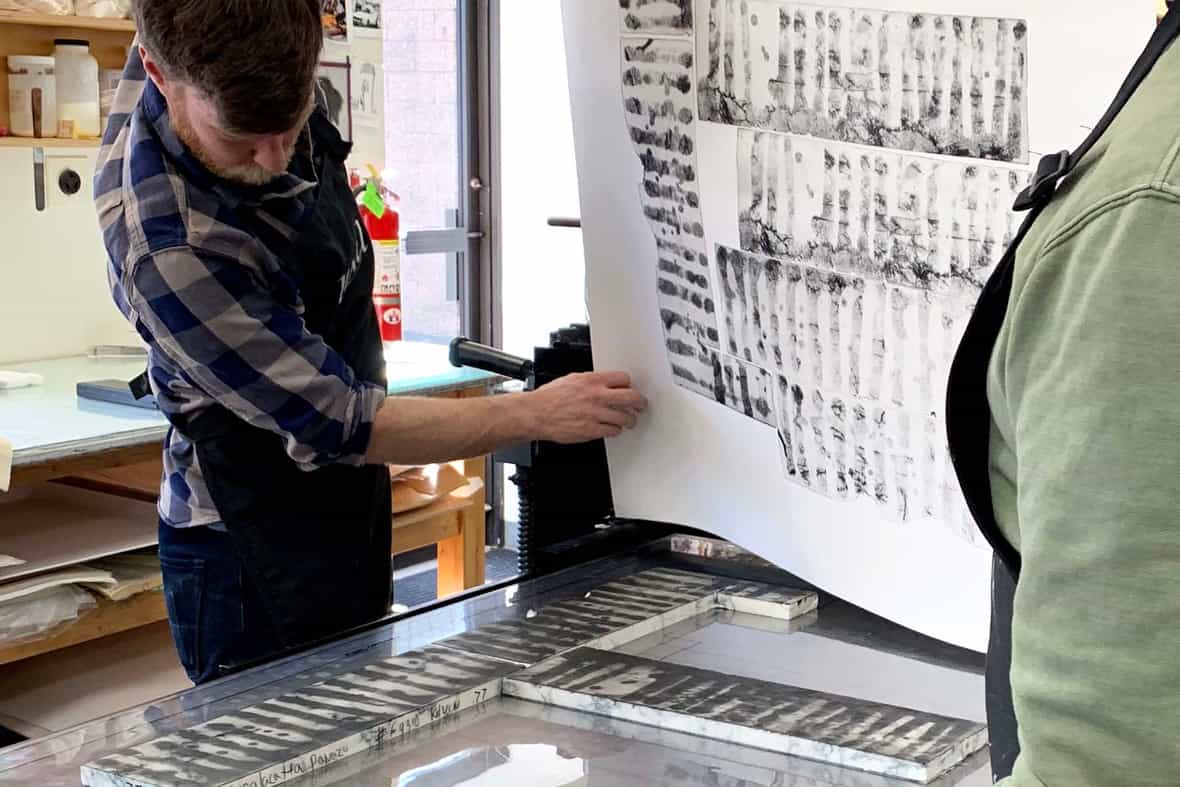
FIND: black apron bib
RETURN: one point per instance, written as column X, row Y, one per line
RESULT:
column 969, row 415
column 316, row 545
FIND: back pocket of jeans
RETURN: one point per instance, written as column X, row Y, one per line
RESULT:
column 184, row 588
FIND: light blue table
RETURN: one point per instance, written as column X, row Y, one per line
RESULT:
column 49, row 423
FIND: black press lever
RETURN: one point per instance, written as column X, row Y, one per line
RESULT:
column 465, row 352
column 565, row 493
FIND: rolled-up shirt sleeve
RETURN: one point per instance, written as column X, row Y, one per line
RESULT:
column 235, row 342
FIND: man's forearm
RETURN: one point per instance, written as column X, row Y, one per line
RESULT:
column 417, row 431
column 574, row 409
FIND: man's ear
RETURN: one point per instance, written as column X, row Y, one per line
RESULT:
column 154, row 72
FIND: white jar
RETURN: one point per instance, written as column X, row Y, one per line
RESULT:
column 32, row 101
column 77, row 89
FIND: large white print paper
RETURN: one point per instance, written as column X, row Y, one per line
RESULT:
column 788, row 211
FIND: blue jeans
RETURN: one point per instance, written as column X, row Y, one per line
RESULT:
column 217, row 618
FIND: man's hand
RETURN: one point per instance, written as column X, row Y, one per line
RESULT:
column 578, row 408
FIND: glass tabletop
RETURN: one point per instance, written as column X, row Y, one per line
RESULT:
column 55, row 760
column 509, row 743
column 488, row 745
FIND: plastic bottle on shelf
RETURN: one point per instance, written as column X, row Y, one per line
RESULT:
column 77, row 89
column 32, row 103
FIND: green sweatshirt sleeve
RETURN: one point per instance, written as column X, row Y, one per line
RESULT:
column 1087, row 370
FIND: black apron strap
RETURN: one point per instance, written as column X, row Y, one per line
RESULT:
column 141, row 386
column 1003, row 736
column 1053, row 169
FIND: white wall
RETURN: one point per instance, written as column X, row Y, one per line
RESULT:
column 54, row 300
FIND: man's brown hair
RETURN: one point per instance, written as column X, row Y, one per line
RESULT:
column 255, row 59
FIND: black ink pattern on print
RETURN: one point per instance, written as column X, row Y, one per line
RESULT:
column 931, row 83
column 918, row 221
column 660, row 114
column 664, row 17
column 748, row 389
column 858, row 379
column 858, row 271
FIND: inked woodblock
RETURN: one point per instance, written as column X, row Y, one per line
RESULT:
column 843, row 731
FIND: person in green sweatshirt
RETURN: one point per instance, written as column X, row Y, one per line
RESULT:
column 1084, row 390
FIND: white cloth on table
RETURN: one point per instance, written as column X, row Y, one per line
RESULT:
column 19, row 379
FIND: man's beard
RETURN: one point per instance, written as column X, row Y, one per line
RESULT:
column 245, row 174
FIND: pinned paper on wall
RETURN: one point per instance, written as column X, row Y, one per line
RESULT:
column 790, row 210
column 365, row 110
column 334, row 17
column 366, row 18
column 334, row 85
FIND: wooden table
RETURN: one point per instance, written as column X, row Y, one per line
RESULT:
column 116, row 450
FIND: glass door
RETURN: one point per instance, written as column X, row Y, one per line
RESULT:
column 431, row 144
column 434, row 111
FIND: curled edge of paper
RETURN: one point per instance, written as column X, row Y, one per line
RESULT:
column 424, row 486
column 5, row 464
column 71, row 575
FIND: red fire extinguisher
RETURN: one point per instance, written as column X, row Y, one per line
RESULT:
column 381, row 222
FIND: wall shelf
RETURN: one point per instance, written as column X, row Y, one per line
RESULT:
column 74, row 22
column 108, row 617
column 55, row 527
column 26, row 142
column 33, row 34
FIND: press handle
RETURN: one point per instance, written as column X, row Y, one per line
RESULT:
column 465, row 352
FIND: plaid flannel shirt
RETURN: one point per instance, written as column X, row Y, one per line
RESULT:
column 190, row 264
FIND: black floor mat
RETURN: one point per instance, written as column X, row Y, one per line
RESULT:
column 420, row 589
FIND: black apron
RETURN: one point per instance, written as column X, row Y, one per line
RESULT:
column 969, row 416
column 315, row 544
